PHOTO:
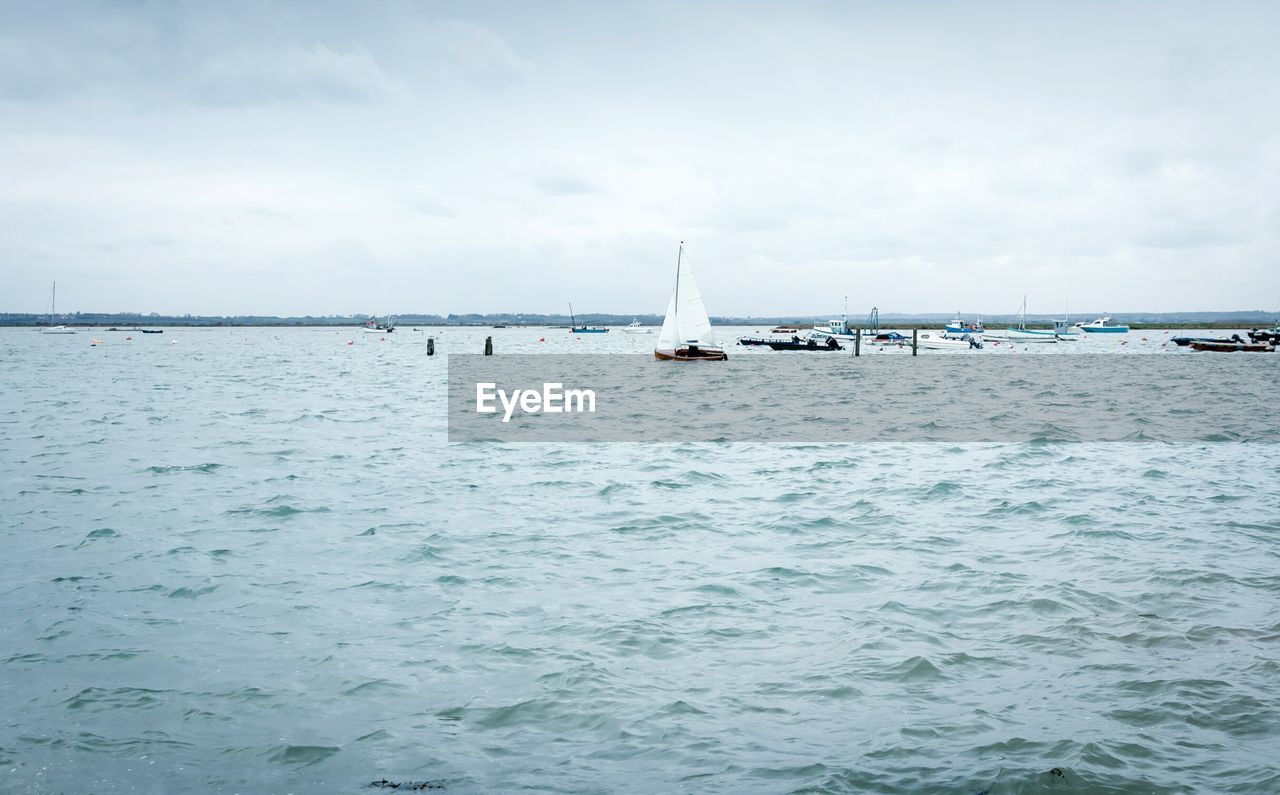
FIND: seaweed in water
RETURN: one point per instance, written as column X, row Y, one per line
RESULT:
column 411, row 786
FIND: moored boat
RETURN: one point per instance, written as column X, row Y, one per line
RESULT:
column 811, row 345
column 1103, row 325
column 1232, row 347
column 372, row 326
column 930, row 340
column 957, row 328
column 53, row 328
column 574, row 328
column 1183, row 342
column 634, row 327
column 686, row 334
column 1024, row 334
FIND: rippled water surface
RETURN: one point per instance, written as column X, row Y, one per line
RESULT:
column 248, row 561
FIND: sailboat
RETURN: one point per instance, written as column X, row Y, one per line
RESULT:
column 574, row 328
column 51, row 328
column 686, row 334
column 1024, row 334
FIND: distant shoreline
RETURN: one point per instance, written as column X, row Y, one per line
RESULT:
column 886, row 323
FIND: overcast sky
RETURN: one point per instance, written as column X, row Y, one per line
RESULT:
column 392, row 157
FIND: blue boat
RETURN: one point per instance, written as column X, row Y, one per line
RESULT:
column 957, row 328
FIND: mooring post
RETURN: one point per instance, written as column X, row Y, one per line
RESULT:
column 431, row 346
column 488, row 346
column 915, row 332
column 857, row 342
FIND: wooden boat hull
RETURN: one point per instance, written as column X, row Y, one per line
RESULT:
column 696, row 355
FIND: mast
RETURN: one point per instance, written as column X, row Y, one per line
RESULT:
column 679, row 257
column 572, row 322
column 53, row 303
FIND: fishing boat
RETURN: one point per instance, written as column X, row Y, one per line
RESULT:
column 634, row 327
column 1271, row 336
column 686, row 334
column 574, row 328
column 842, row 331
column 1063, row 332
column 1024, row 334
column 930, row 340
column 372, row 326
column 52, row 328
column 957, row 328
column 1103, row 325
column 811, row 345
column 1232, row 347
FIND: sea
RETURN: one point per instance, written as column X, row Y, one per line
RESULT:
column 250, row 560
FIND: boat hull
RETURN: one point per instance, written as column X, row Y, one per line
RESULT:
column 588, row 331
column 57, row 330
column 940, row 343
column 1104, row 329
column 1023, row 335
column 694, row 355
column 786, row 345
column 1232, row 347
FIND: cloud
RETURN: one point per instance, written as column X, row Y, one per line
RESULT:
column 912, row 158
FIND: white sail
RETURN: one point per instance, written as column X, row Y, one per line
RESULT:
column 686, row 322
column 669, row 337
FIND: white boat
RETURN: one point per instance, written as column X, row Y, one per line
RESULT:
column 51, row 328
column 1103, row 325
column 372, row 326
column 686, row 334
column 841, row 330
column 634, row 327
column 934, row 341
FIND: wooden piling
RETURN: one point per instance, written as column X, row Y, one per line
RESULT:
column 915, row 332
column 488, row 346
column 857, row 342
column 431, row 346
